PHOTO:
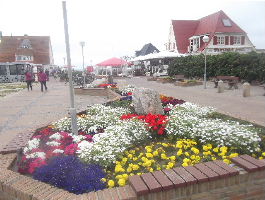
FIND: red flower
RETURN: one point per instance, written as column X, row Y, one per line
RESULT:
column 155, row 122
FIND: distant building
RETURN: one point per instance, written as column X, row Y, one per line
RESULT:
column 31, row 49
column 224, row 35
column 147, row 49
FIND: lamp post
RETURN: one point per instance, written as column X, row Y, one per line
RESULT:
column 205, row 40
column 71, row 89
column 82, row 45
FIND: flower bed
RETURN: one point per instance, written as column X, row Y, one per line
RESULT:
column 187, row 83
column 115, row 143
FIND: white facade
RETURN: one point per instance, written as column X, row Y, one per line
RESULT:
column 171, row 44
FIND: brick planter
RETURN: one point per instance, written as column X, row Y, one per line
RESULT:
column 97, row 92
column 163, row 80
column 186, row 84
column 210, row 180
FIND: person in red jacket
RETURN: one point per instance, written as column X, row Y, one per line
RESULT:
column 42, row 80
column 29, row 79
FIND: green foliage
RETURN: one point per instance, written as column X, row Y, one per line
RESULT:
column 248, row 67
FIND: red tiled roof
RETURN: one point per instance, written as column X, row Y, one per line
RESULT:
column 184, row 29
column 9, row 47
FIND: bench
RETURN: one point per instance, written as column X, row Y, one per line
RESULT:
column 179, row 77
column 231, row 80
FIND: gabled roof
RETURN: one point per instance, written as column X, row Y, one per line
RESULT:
column 147, row 49
column 36, row 46
column 184, row 29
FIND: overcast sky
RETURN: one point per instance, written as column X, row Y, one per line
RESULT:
column 115, row 28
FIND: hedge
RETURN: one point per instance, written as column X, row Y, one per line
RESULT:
column 247, row 67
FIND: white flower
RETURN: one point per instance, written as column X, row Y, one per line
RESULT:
column 36, row 155
column 58, row 151
column 53, row 143
column 56, row 136
column 32, row 144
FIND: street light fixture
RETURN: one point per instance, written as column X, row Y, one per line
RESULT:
column 205, row 40
column 82, row 45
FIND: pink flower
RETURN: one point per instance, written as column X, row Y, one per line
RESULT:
column 71, row 149
column 35, row 164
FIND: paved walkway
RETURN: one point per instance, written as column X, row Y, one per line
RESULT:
column 24, row 111
column 230, row 102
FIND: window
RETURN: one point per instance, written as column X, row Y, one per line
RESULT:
column 226, row 22
column 3, row 70
column 13, row 69
column 20, row 70
column 237, row 40
column 220, row 40
column 24, row 58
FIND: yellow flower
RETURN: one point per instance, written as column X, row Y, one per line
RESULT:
column 155, row 153
column 193, row 157
column 226, row 161
column 186, row 160
column 135, row 167
column 118, row 176
column 172, row 158
column 213, row 158
column 148, row 149
column 132, row 151
column 164, row 156
column 170, row 165
column 121, row 182
column 124, row 160
column 179, row 153
column 135, row 158
column 125, row 176
column 179, row 144
column 149, row 155
column 216, row 149
column 209, row 146
column 118, row 168
column 263, row 154
column 130, row 156
column 232, row 155
column 158, row 168
column 164, row 144
column 223, row 149
column 195, row 150
column 187, row 153
column 111, row 183
column 139, row 173
column 205, row 148
column 129, row 169
column 103, row 180
column 151, row 169
column 185, row 164
column 261, row 157
column 144, row 159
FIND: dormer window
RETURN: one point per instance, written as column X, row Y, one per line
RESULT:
column 227, row 22
column 25, row 44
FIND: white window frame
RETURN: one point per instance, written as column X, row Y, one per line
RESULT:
column 237, row 40
column 221, row 40
column 24, row 58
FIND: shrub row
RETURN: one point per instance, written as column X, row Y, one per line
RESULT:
column 247, row 67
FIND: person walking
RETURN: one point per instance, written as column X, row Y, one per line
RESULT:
column 42, row 80
column 29, row 79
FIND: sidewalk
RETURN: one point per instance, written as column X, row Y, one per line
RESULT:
column 231, row 102
column 28, row 110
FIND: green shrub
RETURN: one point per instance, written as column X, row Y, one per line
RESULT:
column 248, row 67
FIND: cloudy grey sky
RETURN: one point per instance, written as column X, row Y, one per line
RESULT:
column 115, row 28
